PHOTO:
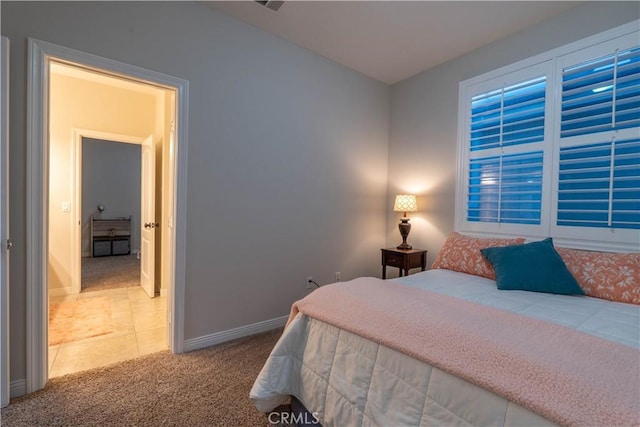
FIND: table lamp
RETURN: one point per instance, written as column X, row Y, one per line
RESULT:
column 405, row 203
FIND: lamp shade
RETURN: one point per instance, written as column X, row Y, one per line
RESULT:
column 405, row 203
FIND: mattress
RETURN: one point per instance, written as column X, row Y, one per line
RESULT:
column 613, row 321
column 344, row 379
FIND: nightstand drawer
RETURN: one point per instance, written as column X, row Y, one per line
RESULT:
column 393, row 260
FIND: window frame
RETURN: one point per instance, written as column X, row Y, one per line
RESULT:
column 552, row 63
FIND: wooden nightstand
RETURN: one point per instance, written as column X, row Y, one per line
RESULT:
column 405, row 260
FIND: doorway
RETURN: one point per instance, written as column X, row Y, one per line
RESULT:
column 110, row 205
column 39, row 158
column 98, row 308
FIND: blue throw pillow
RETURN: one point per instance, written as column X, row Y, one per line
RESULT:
column 533, row 267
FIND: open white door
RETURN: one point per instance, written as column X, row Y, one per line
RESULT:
column 148, row 217
column 5, row 243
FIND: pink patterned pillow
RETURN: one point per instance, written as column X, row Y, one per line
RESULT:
column 606, row 275
column 462, row 253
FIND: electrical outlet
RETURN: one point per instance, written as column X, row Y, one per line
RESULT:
column 337, row 276
column 308, row 283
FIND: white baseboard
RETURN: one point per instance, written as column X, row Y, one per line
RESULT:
column 232, row 334
column 18, row 388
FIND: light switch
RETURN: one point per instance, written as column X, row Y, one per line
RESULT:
column 66, row 206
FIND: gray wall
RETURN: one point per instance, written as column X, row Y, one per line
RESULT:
column 287, row 154
column 424, row 116
column 111, row 177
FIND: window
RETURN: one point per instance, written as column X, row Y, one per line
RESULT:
column 598, row 172
column 551, row 146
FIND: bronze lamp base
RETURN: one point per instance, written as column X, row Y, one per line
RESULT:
column 404, row 227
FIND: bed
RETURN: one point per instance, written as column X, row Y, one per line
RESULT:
column 446, row 347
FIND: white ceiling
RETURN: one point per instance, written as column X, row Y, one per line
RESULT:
column 393, row 40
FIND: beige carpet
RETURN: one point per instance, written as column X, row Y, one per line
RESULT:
column 76, row 320
column 110, row 272
column 208, row 387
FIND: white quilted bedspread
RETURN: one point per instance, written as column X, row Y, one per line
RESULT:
column 346, row 380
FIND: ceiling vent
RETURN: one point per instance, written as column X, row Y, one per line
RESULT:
column 271, row 4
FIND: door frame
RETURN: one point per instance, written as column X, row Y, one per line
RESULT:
column 76, row 235
column 40, row 53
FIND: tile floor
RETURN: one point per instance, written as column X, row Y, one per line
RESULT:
column 139, row 329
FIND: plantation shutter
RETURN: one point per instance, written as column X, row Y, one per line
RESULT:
column 506, row 189
column 505, row 177
column 599, row 181
column 550, row 146
column 602, row 94
column 599, row 185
